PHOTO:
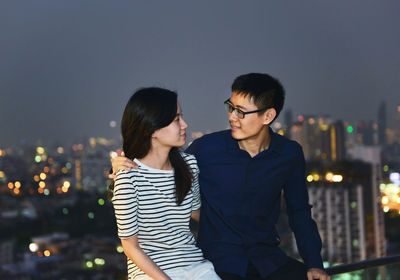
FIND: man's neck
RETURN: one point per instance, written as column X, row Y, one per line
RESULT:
column 256, row 144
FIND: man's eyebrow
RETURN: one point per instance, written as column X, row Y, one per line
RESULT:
column 238, row 106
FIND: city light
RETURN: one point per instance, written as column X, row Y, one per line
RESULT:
column 2, row 175
column 91, row 215
column 33, row 247
column 64, row 170
column 46, row 169
column 1, row 153
column 316, row 177
column 60, row 150
column 113, row 154
column 385, row 168
column 337, row 178
column 16, row 191
column 385, row 200
column 10, row 185
column 36, row 178
column 40, row 190
column 120, row 249
column 329, row 176
column 350, row 129
column 46, row 192
column 89, row 264
column 64, row 189
column 99, row 261
column 43, row 176
column 386, row 209
column 100, row 201
column 40, row 150
column 310, row 178
column 67, row 184
column 324, row 127
column 65, row 211
column 42, row 184
column 38, row 159
column 17, row 184
column 47, row 253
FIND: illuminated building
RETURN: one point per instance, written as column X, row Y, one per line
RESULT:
column 320, row 137
column 366, row 134
column 348, row 212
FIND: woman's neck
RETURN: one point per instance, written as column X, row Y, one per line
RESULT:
column 157, row 158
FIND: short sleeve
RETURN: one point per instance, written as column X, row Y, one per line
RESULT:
column 196, row 204
column 125, row 204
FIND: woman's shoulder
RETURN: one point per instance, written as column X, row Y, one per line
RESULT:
column 190, row 160
column 126, row 176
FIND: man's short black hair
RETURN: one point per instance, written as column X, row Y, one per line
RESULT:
column 265, row 91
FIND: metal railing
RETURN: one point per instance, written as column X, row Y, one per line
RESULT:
column 345, row 268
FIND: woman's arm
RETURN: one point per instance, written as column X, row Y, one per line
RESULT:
column 135, row 254
column 195, row 215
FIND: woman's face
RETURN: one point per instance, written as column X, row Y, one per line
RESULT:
column 173, row 135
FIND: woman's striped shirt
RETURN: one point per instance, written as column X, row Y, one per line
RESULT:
column 145, row 204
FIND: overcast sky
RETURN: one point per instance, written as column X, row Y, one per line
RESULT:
column 67, row 68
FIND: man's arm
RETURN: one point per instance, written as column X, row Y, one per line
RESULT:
column 299, row 212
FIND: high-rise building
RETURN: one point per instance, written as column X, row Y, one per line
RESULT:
column 382, row 124
column 288, row 121
column 320, row 137
column 347, row 208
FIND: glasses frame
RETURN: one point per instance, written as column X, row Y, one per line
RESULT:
column 239, row 113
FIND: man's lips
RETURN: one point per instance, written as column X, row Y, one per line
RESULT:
column 235, row 127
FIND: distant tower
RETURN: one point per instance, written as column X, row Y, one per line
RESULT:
column 288, row 119
column 382, row 124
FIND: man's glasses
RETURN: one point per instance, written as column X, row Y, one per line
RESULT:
column 239, row 113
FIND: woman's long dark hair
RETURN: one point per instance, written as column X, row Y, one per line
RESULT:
column 147, row 110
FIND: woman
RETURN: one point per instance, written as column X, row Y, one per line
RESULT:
column 153, row 204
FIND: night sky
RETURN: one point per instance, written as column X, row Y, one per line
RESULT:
column 67, row 68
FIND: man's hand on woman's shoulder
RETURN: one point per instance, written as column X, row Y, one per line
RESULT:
column 120, row 162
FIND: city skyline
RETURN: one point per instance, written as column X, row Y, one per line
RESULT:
column 69, row 68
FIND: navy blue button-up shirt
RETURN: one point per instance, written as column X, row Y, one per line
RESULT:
column 241, row 203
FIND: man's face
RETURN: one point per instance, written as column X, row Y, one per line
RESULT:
column 252, row 124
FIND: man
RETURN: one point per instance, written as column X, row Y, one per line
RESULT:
column 243, row 172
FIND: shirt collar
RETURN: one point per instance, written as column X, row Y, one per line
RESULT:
column 274, row 145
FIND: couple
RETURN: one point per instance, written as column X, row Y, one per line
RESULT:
column 241, row 172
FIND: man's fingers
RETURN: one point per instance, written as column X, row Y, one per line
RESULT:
column 309, row 275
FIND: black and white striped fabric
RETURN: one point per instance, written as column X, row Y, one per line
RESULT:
column 144, row 203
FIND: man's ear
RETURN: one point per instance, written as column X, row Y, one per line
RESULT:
column 269, row 116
